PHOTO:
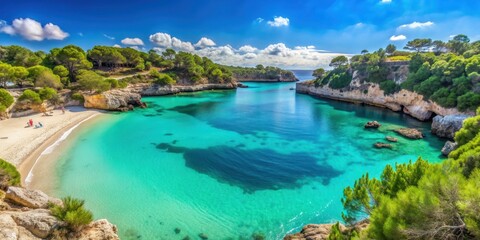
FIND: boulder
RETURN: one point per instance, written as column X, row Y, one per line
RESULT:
column 382, row 145
column 448, row 147
column 372, row 124
column 391, row 139
column 411, row 133
column 97, row 230
column 447, row 126
column 10, row 231
column 38, row 221
column 27, row 198
column 313, row 232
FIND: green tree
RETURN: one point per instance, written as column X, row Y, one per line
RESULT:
column 390, row 49
column 18, row 75
column 319, row 73
column 339, row 61
column 419, row 45
column 71, row 57
column 62, row 71
column 91, row 81
column 5, row 73
column 161, row 78
column 459, row 44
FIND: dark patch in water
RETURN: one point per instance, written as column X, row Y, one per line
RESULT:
column 169, row 148
column 241, row 145
column 258, row 169
column 174, row 141
column 151, row 115
column 168, row 134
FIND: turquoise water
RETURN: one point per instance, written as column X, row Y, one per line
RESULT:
column 230, row 163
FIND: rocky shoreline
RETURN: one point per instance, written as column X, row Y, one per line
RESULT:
column 25, row 215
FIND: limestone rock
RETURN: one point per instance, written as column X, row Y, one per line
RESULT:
column 361, row 91
column 10, row 231
column 391, row 139
column 382, row 145
column 372, row 124
column 97, row 230
column 27, row 198
column 448, row 147
column 38, row 221
column 313, row 232
column 116, row 100
column 411, row 133
column 447, row 126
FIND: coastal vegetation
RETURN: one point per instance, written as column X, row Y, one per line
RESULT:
column 9, row 176
column 420, row 200
column 72, row 212
column 261, row 72
column 447, row 73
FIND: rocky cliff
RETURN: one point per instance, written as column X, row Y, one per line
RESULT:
column 447, row 126
column 24, row 215
column 360, row 91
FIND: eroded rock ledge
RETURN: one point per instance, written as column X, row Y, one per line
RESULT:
column 24, row 215
column 130, row 97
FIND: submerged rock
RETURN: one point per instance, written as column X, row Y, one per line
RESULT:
column 391, row 139
column 411, row 133
column 177, row 230
column 372, row 124
column 448, row 147
column 447, row 126
column 382, row 145
column 203, row 236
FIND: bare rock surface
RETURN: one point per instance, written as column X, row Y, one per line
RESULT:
column 411, row 133
column 27, row 198
column 447, row 126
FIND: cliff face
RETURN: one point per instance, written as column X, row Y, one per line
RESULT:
column 359, row 91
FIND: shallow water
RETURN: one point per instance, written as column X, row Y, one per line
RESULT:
column 230, row 163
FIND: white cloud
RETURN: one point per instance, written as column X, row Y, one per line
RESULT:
column 164, row 40
column 205, row 42
column 250, row 56
column 398, row 37
column 385, row 1
column 415, row 25
column 117, row 46
column 259, row 20
column 279, row 22
column 132, row 41
column 248, row 49
column 33, row 30
column 109, row 37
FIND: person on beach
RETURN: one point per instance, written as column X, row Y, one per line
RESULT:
column 40, row 124
column 30, row 122
column 63, row 110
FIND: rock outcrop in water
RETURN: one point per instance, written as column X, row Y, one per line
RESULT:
column 321, row 231
column 447, row 126
column 24, row 215
column 127, row 98
column 411, row 133
column 448, row 147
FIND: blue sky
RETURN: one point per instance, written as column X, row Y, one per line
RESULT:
column 291, row 34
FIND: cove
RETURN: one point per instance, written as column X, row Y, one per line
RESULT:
column 230, row 163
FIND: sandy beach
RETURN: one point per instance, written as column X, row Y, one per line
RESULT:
column 22, row 145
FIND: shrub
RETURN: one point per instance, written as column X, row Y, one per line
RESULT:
column 91, row 81
column 113, row 82
column 73, row 213
column 30, row 96
column 122, row 83
column 47, row 93
column 9, row 176
column 6, row 100
column 399, row 58
column 161, row 78
column 468, row 101
column 389, row 87
column 78, row 96
column 48, row 79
